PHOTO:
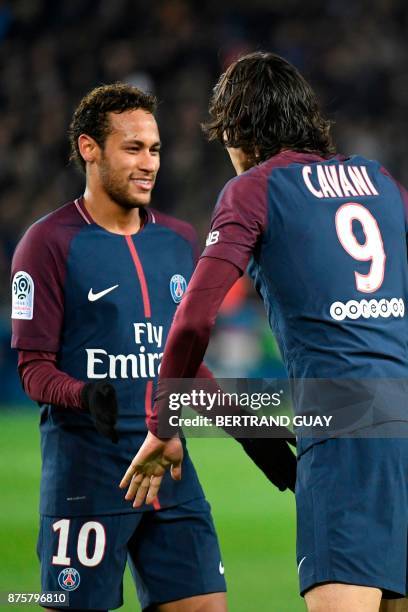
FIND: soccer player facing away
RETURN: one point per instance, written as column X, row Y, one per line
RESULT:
column 325, row 237
column 95, row 287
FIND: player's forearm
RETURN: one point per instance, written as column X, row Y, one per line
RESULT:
column 206, row 381
column 43, row 382
column 187, row 341
column 184, row 352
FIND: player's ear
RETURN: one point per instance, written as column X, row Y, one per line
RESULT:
column 88, row 148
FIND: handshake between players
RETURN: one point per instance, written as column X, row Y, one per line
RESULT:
column 145, row 474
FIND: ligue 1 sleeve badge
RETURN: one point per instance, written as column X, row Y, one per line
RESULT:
column 69, row 579
column 23, row 296
column 178, row 286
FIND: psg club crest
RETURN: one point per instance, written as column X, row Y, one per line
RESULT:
column 69, row 579
column 178, row 286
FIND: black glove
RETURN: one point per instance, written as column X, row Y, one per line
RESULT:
column 275, row 458
column 100, row 400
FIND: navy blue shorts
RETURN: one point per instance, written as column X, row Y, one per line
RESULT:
column 173, row 554
column 352, row 509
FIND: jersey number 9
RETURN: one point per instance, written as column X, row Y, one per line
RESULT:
column 372, row 250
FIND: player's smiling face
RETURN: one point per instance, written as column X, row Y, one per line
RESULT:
column 130, row 159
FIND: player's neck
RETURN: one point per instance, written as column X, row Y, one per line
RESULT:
column 109, row 215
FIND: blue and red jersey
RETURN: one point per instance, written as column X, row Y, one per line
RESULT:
column 103, row 303
column 325, row 240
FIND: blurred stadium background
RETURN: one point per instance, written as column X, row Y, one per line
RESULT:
column 355, row 54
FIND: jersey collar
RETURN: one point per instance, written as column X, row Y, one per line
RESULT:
column 147, row 216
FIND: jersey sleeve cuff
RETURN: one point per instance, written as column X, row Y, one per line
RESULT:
column 34, row 344
column 153, row 426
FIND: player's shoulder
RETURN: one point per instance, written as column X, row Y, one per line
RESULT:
column 246, row 191
column 396, row 184
column 357, row 159
column 246, row 180
column 377, row 167
column 56, row 229
column 64, row 220
column 182, row 228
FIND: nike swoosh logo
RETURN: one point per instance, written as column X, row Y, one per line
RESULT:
column 300, row 564
column 221, row 568
column 92, row 297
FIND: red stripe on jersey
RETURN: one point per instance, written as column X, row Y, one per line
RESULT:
column 148, row 314
column 148, row 399
column 148, row 410
column 141, row 276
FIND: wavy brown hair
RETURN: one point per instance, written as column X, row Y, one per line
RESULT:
column 91, row 116
column 263, row 104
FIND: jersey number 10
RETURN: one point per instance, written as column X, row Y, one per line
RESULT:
column 89, row 560
column 372, row 249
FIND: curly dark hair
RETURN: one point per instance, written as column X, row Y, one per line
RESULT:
column 263, row 104
column 91, row 116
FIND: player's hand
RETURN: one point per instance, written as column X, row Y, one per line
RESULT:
column 145, row 473
column 275, row 458
column 100, row 400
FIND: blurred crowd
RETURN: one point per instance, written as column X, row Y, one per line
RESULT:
column 354, row 52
